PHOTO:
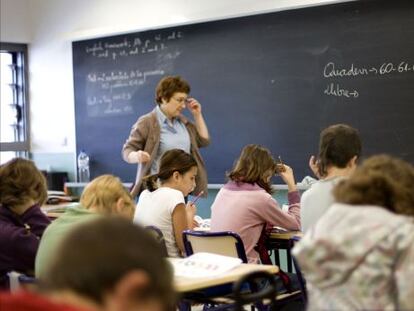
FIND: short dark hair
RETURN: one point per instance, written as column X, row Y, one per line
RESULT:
column 20, row 182
column 338, row 144
column 170, row 85
column 97, row 254
column 174, row 160
column 383, row 181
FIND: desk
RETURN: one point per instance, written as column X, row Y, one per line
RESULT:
column 282, row 240
column 183, row 284
column 56, row 210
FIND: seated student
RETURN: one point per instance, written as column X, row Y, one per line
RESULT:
column 101, row 266
column 245, row 204
column 164, row 206
column 105, row 195
column 22, row 191
column 339, row 150
column 360, row 254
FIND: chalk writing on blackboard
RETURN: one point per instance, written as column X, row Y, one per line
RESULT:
column 126, row 47
column 110, row 92
column 332, row 70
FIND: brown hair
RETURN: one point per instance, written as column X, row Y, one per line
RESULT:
column 103, row 193
column 20, row 182
column 338, row 144
column 174, row 160
column 253, row 166
column 381, row 180
column 96, row 255
column 170, row 85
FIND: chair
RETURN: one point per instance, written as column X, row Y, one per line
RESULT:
column 225, row 243
column 229, row 243
column 157, row 234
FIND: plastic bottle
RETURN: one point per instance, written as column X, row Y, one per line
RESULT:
column 83, row 167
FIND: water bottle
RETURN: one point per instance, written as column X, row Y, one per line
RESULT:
column 83, row 167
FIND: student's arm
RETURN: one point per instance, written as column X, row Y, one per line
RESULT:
column 273, row 214
column 23, row 240
column 182, row 218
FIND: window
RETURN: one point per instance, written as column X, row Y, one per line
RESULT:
column 14, row 104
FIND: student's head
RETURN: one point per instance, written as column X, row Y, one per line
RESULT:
column 106, row 195
column 178, row 169
column 382, row 181
column 21, row 183
column 114, row 264
column 339, row 146
column 255, row 165
column 171, row 95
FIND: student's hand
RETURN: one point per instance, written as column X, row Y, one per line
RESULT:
column 313, row 165
column 288, row 177
column 194, row 106
column 191, row 209
column 139, row 157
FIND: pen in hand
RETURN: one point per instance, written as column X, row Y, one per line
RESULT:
column 197, row 197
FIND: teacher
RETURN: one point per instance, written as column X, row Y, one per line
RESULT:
column 165, row 128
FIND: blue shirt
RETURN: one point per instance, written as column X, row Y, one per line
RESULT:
column 173, row 135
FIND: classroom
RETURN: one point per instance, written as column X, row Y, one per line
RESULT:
column 274, row 73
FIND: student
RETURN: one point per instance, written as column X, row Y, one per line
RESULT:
column 23, row 190
column 105, row 195
column 360, row 254
column 164, row 206
column 339, row 150
column 101, row 266
column 245, row 204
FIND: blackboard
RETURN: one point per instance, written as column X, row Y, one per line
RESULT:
column 274, row 79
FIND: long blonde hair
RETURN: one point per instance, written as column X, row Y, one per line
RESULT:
column 103, row 193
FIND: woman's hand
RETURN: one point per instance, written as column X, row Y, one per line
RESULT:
column 139, row 157
column 194, row 106
column 288, row 177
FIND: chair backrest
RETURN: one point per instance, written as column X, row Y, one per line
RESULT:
column 225, row 243
column 157, row 234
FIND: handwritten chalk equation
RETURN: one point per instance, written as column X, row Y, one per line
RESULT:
column 130, row 47
column 335, row 89
column 332, row 70
column 110, row 92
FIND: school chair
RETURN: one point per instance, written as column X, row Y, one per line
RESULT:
column 225, row 243
column 229, row 243
column 157, row 234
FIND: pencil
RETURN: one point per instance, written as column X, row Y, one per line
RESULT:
column 197, row 197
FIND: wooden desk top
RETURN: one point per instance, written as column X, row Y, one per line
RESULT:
column 56, row 210
column 184, row 284
column 285, row 235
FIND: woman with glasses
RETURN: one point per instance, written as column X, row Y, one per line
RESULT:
column 165, row 128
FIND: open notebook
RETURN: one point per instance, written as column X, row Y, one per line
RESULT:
column 204, row 265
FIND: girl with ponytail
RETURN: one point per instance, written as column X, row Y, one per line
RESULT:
column 162, row 204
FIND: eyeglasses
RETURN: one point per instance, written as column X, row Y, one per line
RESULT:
column 181, row 100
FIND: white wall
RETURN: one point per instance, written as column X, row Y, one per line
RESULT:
column 49, row 26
